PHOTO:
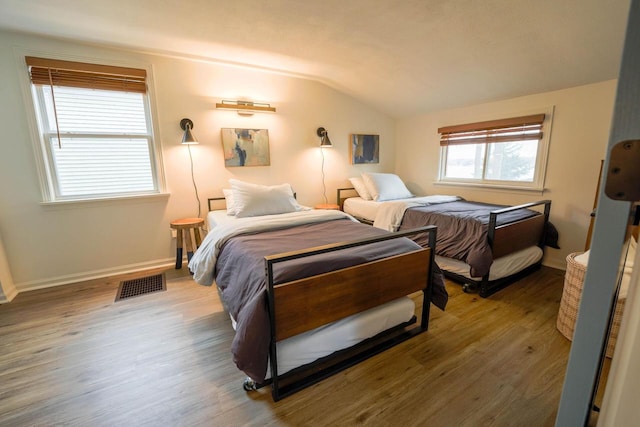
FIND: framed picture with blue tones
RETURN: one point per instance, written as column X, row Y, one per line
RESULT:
column 245, row 147
column 364, row 149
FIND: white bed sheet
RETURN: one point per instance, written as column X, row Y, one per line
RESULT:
column 218, row 217
column 368, row 209
column 309, row 346
column 202, row 264
column 501, row 267
column 361, row 208
column 388, row 215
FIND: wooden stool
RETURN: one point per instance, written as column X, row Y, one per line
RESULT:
column 186, row 224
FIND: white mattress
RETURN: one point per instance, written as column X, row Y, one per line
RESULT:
column 218, row 217
column 365, row 209
column 312, row 345
column 501, row 267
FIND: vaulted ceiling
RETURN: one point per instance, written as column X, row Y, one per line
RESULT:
column 402, row 57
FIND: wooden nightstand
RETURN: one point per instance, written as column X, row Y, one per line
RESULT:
column 327, row 206
column 183, row 228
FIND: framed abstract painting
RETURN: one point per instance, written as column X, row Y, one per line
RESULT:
column 364, row 149
column 245, row 147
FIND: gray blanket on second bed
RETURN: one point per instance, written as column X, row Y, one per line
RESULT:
column 240, row 276
column 462, row 230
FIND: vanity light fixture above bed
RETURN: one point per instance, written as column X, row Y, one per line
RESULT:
column 246, row 108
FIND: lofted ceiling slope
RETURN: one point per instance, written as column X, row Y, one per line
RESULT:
column 402, row 57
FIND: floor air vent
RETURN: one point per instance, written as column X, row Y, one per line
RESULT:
column 141, row 286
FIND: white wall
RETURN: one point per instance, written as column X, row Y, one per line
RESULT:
column 579, row 138
column 53, row 245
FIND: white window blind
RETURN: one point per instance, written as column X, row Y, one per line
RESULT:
column 98, row 142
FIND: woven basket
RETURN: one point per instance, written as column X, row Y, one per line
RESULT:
column 571, row 294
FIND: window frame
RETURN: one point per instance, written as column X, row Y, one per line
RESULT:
column 537, row 184
column 40, row 137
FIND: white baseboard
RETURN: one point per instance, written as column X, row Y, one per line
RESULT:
column 556, row 265
column 90, row 275
column 124, row 269
column 7, row 293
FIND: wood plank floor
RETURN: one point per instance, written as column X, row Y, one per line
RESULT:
column 72, row 356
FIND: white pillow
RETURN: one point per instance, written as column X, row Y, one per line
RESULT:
column 253, row 199
column 360, row 188
column 385, row 186
column 228, row 198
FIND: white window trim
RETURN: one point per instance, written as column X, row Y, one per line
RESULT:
column 103, row 201
column 47, row 187
column 541, row 158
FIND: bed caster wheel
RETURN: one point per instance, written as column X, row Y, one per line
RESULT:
column 469, row 288
column 249, row 385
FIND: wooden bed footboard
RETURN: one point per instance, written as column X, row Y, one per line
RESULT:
column 305, row 304
column 309, row 303
column 506, row 239
column 503, row 240
column 515, row 236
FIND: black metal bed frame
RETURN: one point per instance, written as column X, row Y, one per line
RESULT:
column 211, row 200
column 304, row 376
column 484, row 286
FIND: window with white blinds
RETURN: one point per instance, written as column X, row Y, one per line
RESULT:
column 98, row 142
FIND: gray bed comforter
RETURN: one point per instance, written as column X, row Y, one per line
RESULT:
column 240, row 276
column 462, row 230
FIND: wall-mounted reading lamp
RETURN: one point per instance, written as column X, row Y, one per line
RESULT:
column 246, row 108
column 188, row 139
column 325, row 142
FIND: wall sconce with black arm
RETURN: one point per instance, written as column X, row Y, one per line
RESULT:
column 325, row 142
column 189, row 139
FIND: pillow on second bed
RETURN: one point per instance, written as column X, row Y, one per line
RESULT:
column 361, row 189
column 228, row 199
column 385, row 186
column 254, row 200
